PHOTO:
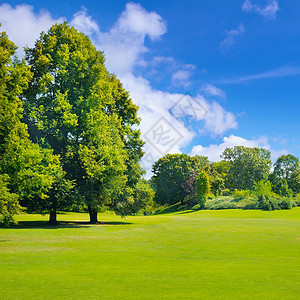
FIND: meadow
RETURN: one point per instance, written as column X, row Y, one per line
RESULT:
column 224, row 254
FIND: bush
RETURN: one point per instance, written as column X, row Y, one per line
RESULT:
column 269, row 203
column 211, row 196
column 241, row 194
column 221, row 203
column 285, row 204
column 252, row 205
column 226, row 192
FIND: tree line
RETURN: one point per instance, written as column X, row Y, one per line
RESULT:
column 242, row 172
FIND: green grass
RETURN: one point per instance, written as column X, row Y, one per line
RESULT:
column 224, row 254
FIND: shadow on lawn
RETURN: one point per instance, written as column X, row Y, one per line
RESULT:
column 176, row 209
column 61, row 224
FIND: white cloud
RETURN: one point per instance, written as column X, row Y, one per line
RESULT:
column 23, row 25
column 182, row 76
column 211, row 90
column 155, row 105
column 218, row 120
column 124, row 46
column 135, row 19
column 84, row 23
column 231, row 36
column 213, row 152
column 269, row 11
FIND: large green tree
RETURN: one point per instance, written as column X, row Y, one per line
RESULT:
column 247, row 166
column 27, row 172
column 81, row 111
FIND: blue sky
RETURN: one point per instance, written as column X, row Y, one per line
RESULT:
column 238, row 60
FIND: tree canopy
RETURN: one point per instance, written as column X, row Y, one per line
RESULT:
column 247, row 166
column 77, row 108
column 28, row 172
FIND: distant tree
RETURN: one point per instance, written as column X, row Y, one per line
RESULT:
column 281, row 188
column 286, row 169
column 285, row 166
column 222, row 169
column 247, row 166
column 217, row 181
column 294, row 182
column 203, row 188
column 171, row 172
column 142, row 198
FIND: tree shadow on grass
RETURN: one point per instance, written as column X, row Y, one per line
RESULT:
column 61, row 224
column 177, row 209
column 188, row 211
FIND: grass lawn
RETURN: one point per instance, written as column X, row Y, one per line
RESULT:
column 226, row 254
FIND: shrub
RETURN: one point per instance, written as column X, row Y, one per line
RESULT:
column 285, row 204
column 226, row 192
column 267, row 203
column 252, row 205
column 221, row 202
column 241, row 194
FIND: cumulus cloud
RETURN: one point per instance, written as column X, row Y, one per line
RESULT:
column 231, row 36
column 213, row 152
column 23, row 25
column 124, row 46
column 163, row 131
column 84, row 23
column 269, row 11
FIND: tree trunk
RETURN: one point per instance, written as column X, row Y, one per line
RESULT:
column 53, row 218
column 93, row 215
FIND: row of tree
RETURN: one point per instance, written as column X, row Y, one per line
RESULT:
column 177, row 177
column 67, row 130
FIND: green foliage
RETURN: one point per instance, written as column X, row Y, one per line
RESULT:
column 294, row 182
column 247, row 166
column 263, row 188
column 241, row 194
column 281, row 188
column 216, row 182
column 286, row 175
column 221, row 202
column 203, row 188
column 171, row 172
column 28, row 172
column 9, row 204
column 75, row 107
column 270, row 203
column 143, row 197
column 221, row 169
column 226, row 192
